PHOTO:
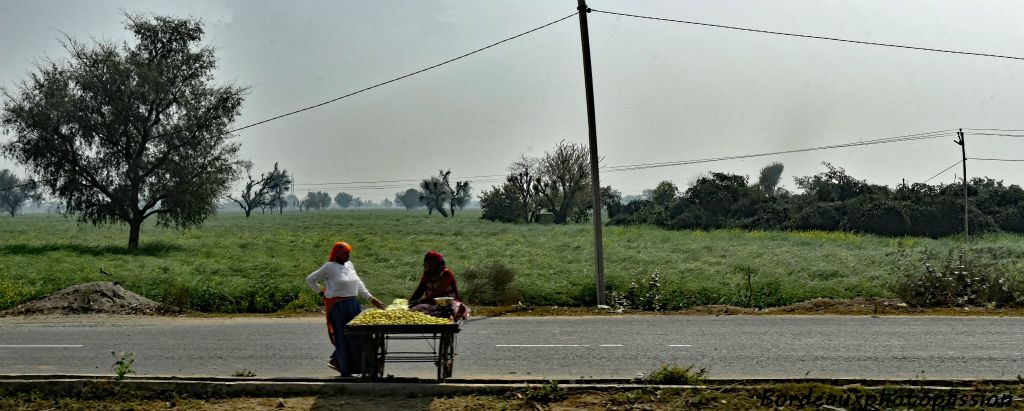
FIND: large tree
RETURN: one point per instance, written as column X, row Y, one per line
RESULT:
column 564, row 180
column 769, row 179
column 410, row 199
column 123, row 132
column 459, row 195
column 343, row 199
column 434, row 194
column 279, row 183
column 15, row 192
column 255, row 192
column 519, row 182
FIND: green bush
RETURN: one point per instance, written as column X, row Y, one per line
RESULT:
column 492, row 285
column 545, row 393
column 675, row 375
column 960, row 282
column 643, row 293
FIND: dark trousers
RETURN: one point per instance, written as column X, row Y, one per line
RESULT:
column 347, row 349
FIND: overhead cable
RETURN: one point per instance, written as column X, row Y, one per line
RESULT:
column 779, row 33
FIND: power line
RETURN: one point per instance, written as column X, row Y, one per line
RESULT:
column 349, row 94
column 779, row 33
column 405, row 76
column 909, row 137
column 388, row 181
column 996, row 134
column 943, row 171
column 995, row 159
column 995, row 129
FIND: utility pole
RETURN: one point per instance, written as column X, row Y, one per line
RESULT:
column 963, row 153
column 588, row 80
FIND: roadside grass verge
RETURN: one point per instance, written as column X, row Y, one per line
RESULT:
column 257, row 265
column 795, row 396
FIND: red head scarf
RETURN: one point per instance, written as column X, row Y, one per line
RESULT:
column 434, row 256
column 338, row 246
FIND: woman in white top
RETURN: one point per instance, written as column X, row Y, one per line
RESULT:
column 341, row 286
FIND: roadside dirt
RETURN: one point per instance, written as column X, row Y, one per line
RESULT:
column 92, row 298
column 819, row 306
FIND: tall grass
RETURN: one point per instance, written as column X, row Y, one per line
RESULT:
column 234, row 264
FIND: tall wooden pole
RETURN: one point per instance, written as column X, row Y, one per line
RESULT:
column 963, row 152
column 592, row 125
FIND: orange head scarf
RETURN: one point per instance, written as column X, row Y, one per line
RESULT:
column 338, row 246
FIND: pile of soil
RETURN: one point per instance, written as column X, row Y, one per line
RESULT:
column 849, row 306
column 92, row 298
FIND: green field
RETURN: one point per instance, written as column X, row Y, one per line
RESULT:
column 234, row 264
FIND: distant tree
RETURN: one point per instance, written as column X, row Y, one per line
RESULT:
column 385, row 203
column 317, row 201
column 501, row 204
column 458, row 196
column 522, row 174
column 292, row 201
column 564, row 180
column 15, row 192
column 434, row 194
column 410, row 199
column 123, row 132
column 768, row 182
column 611, row 199
column 343, row 199
column 255, row 192
column 358, row 203
column 278, row 183
column 665, row 194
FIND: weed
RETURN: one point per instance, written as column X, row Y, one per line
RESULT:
column 545, row 393
column 675, row 375
column 960, row 282
column 644, row 293
column 123, row 364
column 244, row 372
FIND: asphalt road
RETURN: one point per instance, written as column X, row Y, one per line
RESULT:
column 549, row 347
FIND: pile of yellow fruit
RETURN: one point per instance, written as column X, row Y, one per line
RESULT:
column 395, row 316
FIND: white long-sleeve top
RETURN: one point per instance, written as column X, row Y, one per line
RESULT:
column 340, row 280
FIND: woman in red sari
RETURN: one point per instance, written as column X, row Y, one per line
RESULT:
column 437, row 281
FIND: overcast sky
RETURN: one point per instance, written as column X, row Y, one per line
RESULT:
column 664, row 91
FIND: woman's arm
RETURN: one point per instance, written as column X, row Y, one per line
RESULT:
column 420, row 289
column 312, row 279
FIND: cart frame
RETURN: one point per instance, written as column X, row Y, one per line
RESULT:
column 441, row 338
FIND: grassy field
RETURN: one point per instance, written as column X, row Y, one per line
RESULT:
column 234, row 264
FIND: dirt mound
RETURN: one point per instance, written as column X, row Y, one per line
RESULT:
column 718, row 310
column 92, row 298
column 850, row 306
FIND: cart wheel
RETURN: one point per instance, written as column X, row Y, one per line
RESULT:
column 445, row 357
column 441, row 360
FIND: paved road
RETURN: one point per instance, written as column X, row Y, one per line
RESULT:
column 600, row 347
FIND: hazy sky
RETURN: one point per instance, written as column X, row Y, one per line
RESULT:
column 664, row 91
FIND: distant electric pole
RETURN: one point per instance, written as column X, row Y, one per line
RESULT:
column 588, row 80
column 963, row 153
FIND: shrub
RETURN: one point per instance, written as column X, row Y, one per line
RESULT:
column 675, row 375
column 960, row 283
column 12, row 294
column 490, row 285
column 545, row 393
column 644, row 293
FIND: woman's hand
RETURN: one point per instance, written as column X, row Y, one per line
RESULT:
column 377, row 303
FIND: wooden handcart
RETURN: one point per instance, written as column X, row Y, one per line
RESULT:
column 439, row 337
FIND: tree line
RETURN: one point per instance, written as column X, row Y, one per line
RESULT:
column 831, row 200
